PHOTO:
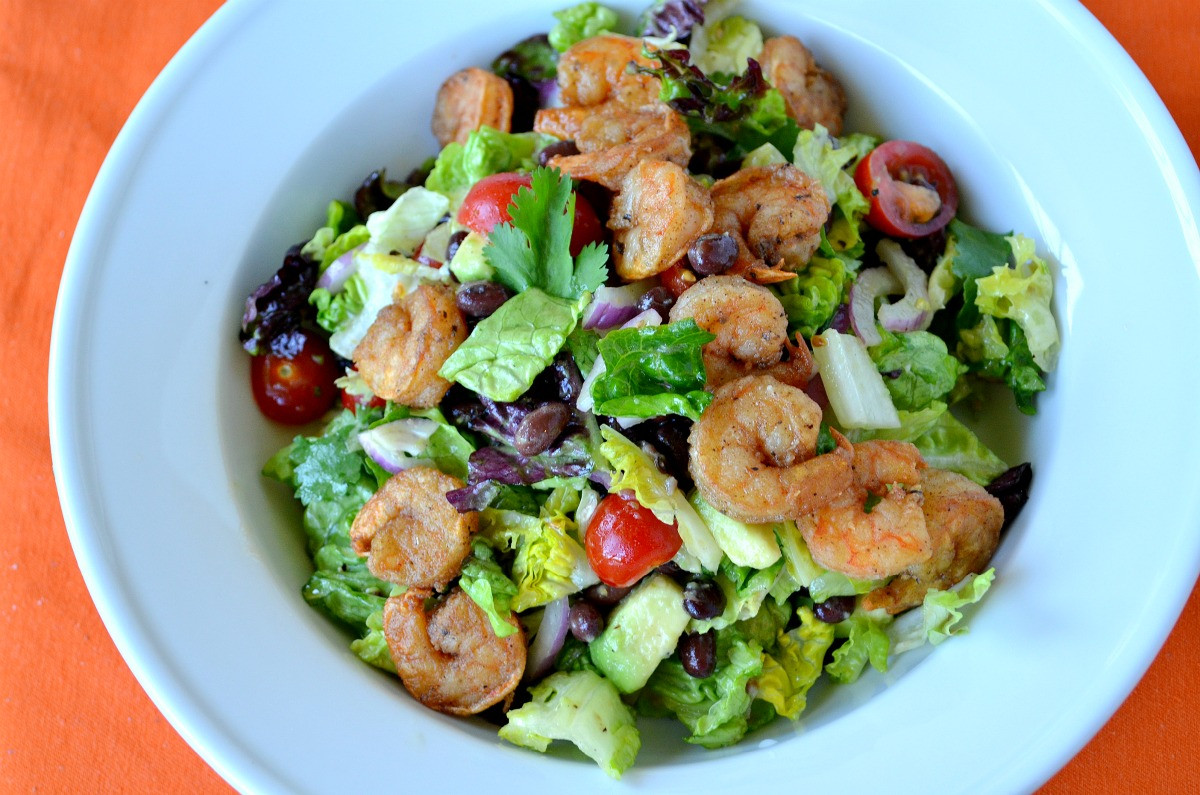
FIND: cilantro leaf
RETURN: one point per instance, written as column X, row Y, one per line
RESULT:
column 534, row 250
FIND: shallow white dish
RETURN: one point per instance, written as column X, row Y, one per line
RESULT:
column 273, row 108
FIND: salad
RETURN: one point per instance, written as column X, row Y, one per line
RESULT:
column 635, row 400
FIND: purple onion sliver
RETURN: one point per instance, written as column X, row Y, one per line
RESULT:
column 339, row 271
column 549, row 639
column 871, row 283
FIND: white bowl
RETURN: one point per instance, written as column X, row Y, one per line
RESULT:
column 195, row 562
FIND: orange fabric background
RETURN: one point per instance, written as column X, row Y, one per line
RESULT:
column 72, row 718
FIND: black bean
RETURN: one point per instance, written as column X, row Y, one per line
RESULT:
column 481, row 299
column 1012, row 489
column 674, row 571
column 703, row 599
column 540, row 428
column 698, row 653
column 713, row 253
column 454, row 242
column 564, row 148
column 834, row 609
column 586, row 621
column 606, row 594
column 660, row 299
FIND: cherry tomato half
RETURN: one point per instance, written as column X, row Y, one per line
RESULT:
column 887, row 177
column 486, row 205
column 297, row 390
column 625, row 541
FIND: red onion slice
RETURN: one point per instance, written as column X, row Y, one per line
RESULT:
column 911, row 312
column 548, row 641
column 341, row 269
column 613, row 306
column 870, row 285
column 394, row 444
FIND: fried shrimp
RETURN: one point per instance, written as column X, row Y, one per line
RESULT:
column 612, row 113
column 451, row 660
column 595, row 70
column 812, row 95
column 613, row 138
column 964, row 524
column 753, row 453
column 468, row 100
column 410, row 534
column 409, row 341
column 876, row 528
column 778, row 211
column 656, row 215
column 751, row 331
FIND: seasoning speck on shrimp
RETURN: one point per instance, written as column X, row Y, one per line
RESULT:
column 964, row 523
column 753, row 453
column 451, row 660
column 750, row 326
column 656, row 215
column 402, row 351
column 410, row 534
column 869, row 541
column 778, row 211
column 812, row 95
column 470, row 99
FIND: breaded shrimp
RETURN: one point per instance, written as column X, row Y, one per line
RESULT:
column 655, row 216
column 400, row 355
column 777, row 210
column 470, row 99
column 876, row 528
column 613, row 138
column 451, row 660
column 751, row 331
column 753, row 453
column 410, row 534
column 964, row 523
column 597, row 69
column 812, row 95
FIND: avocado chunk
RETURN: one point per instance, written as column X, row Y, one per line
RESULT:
column 642, row 632
column 752, row 545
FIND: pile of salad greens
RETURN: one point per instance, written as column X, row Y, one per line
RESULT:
column 988, row 296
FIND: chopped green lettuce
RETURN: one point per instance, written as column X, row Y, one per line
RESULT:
column 746, row 591
column 583, row 708
column 652, row 371
column 765, row 155
column 507, row 350
column 1023, row 294
column 940, row 613
column 485, row 582
column 795, row 665
column 724, row 45
column 716, row 709
column 831, row 161
column 372, row 647
column 916, row 366
column 579, row 22
column 550, row 562
column 814, row 295
column 866, row 641
column 487, row 151
column 401, row 228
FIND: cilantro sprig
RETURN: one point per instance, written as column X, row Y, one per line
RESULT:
column 534, row 250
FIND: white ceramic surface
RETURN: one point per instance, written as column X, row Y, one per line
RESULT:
column 275, row 107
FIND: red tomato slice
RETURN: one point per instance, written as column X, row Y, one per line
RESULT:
column 883, row 177
column 626, row 541
column 486, row 205
column 296, row 390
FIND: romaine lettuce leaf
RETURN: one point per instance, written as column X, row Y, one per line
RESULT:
column 724, row 45
column 866, row 641
column 506, row 351
column 814, row 295
column 653, row 370
column 831, row 162
column 579, row 22
column 583, row 708
column 487, row 151
column 916, row 367
column 550, row 563
column 940, row 614
column 485, row 582
column 795, row 665
column 1023, row 294
column 372, row 647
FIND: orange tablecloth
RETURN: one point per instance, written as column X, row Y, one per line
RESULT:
column 72, row 718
